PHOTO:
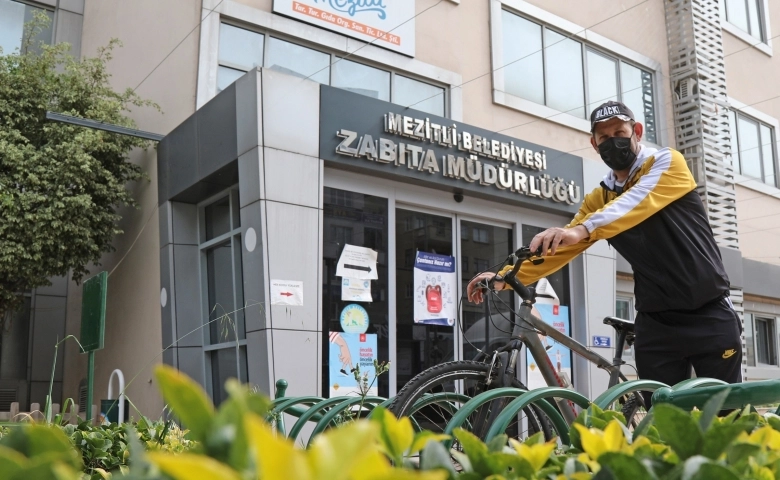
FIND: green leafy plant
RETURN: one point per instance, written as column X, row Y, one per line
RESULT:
column 61, row 186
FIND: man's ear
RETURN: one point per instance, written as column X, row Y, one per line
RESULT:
column 593, row 142
column 639, row 129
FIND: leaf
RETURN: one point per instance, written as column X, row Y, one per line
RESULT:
column 476, row 451
column 11, row 462
column 187, row 400
column 275, row 457
column 718, row 438
column 396, row 435
column 188, row 466
column 679, row 430
column 422, row 439
column 624, row 466
column 497, row 443
column 37, row 440
column 712, row 407
column 434, row 456
column 340, row 453
column 700, row 468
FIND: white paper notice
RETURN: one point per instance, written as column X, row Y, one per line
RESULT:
column 357, row 262
column 287, row 292
column 355, row 290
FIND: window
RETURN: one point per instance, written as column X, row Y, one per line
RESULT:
column 13, row 16
column 549, row 68
column 225, row 336
column 481, row 265
column 750, row 348
column 464, row 264
column 440, row 227
column 746, row 15
column 480, row 235
column 766, row 340
column 341, row 235
column 241, row 50
column 753, row 148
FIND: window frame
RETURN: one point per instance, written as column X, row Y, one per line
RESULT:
column 762, row 118
column 628, row 353
column 589, row 40
column 774, row 345
column 41, row 6
column 764, row 44
column 234, row 235
column 334, row 57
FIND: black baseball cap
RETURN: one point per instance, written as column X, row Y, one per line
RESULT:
column 609, row 110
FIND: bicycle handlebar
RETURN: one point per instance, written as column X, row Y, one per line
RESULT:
column 521, row 255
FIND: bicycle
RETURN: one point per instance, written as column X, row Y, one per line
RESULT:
column 435, row 394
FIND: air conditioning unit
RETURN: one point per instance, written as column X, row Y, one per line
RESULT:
column 685, row 88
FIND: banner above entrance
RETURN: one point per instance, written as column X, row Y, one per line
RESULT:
column 389, row 24
column 364, row 134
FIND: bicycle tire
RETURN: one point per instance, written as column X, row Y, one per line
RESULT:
column 633, row 411
column 470, row 371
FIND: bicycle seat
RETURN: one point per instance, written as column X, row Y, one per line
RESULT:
column 620, row 324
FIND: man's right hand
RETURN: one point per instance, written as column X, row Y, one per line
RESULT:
column 474, row 289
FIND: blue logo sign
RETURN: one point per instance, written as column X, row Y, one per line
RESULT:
column 599, row 341
column 352, row 7
column 354, row 319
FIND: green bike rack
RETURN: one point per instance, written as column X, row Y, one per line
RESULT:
column 740, row 394
column 534, row 396
column 472, row 405
column 368, row 402
column 697, row 383
column 609, row 397
column 314, row 414
column 290, row 406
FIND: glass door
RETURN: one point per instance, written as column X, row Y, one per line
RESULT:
column 419, row 346
column 485, row 327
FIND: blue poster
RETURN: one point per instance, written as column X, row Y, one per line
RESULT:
column 434, row 289
column 346, row 351
column 558, row 355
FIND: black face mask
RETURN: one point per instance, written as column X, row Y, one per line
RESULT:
column 617, row 153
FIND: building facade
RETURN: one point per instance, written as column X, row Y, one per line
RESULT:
column 295, row 128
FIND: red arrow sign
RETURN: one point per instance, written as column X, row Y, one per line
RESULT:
column 286, row 294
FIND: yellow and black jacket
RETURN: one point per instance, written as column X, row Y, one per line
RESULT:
column 658, row 223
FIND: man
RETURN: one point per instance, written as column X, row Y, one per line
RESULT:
column 648, row 210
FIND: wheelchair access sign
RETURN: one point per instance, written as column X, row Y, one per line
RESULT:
column 600, row 341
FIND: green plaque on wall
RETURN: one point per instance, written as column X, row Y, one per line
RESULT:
column 93, row 312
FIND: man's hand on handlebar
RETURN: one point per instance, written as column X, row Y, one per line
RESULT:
column 552, row 238
column 478, row 283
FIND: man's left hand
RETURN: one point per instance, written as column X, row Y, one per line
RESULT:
column 552, row 238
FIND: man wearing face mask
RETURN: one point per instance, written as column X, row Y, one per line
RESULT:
column 647, row 208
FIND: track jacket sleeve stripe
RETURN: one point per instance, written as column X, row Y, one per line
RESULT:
column 666, row 180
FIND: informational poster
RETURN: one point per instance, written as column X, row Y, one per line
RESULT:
column 434, row 289
column 558, row 355
column 287, row 292
column 388, row 24
column 346, row 351
column 357, row 262
column 355, row 290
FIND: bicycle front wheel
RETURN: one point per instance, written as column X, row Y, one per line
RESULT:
column 433, row 397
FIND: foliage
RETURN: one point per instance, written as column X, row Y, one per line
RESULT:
column 60, row 185
column 234, row 442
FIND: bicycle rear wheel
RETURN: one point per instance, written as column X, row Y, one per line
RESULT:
column 430, row 400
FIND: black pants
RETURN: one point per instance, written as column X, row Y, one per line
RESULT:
column 708, row 339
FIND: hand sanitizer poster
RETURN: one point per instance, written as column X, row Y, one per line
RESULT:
column 346, row 351
column 434, row 289
column 559, row 355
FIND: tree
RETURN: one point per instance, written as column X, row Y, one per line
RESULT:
column 60, row 185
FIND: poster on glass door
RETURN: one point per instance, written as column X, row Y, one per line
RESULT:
column 348, row 350
column 558, row 355
column 434, row 289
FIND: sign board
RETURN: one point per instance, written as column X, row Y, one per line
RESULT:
column 558, row 355
column 357, row 262
column 367, row 135
column 287, row 292
column 93, row 312
column 346, row 351
column 601, row 341
column 386, row 23
column 434, row 289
